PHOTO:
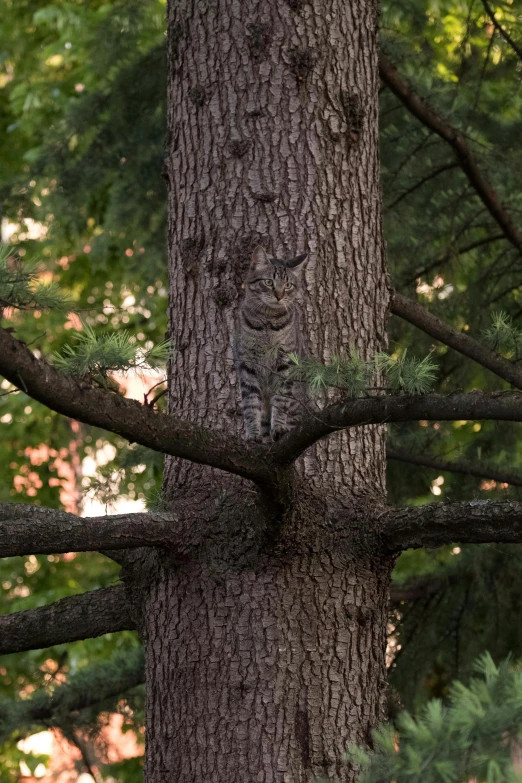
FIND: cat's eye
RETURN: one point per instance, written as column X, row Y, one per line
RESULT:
column 288, row 286
column 269, row 282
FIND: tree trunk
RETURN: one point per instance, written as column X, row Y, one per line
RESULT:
column 265, row 652
column 263, row 675
column 273, row 140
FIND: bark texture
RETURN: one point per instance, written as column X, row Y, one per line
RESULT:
column 263, row 675
column 273, row 140
column 77, row 617
column 467, row 522
column 500, row 406
column 26, row 530
column 265, row 649
column 265, row 630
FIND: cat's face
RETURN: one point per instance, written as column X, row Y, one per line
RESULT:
column 273, row 282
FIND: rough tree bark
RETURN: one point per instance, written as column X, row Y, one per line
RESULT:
column 265, row 649
column 91, row 614
column 260, row 590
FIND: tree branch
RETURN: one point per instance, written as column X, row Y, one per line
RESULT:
column 453, row 467
column 33, row 530
column 78, row 617
column 437, row 524
column 501, row 406
column 175, row 436
column 135, row 422
column 420, row 588
column 441, row 261
column 504, row 33
column 87, row 688
column 473, row 349
column 403, row 90
column 73, row 737
column 421, row 182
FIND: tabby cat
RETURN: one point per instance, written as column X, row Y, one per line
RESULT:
column 268, row 330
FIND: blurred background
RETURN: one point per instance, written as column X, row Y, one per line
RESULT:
column 82, row 125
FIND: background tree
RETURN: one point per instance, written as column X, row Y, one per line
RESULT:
column 460, row 210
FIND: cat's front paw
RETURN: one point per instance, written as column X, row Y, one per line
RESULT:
column 254, row 438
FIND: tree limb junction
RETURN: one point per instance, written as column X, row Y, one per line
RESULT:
column 171, row 435
column 137, row 423
column 501, row 406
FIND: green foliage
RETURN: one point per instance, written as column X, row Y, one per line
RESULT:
column 462, row 598
column 21, row 288
column 415, row 376
column 503, row 336
column 98, row 355
column 82, row 123
column 474, row 736
column 127, row 771
column 446, row 250
column 356, row 377
column 349, row 374
column 79, row 701
column 12, row 757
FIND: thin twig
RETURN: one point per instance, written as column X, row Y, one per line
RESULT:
column 423, row 181
column 453, row 467
column 146, row 395
column 457, row 140
column 503, row 32
column 156, row 398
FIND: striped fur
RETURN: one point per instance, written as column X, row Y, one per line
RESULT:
column 268, row 330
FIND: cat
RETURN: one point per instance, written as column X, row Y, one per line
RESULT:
column 269, row 330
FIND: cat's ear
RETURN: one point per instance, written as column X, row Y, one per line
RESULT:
column 297, row 261
column 259, row 258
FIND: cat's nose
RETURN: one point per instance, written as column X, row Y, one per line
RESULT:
column 279, row 295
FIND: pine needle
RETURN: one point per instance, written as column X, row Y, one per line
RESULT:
column 503, row 336
column 98, row 355
column 20, row 287
column 355, row 377
column 406, row 374
column 471, row 737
